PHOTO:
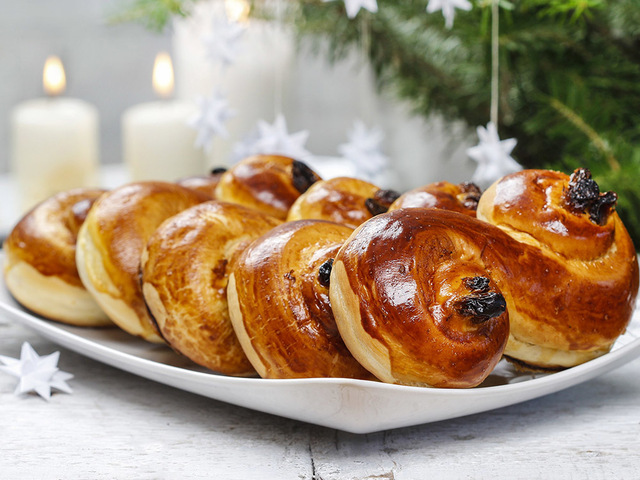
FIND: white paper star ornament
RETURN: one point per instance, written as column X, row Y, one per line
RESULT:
column 493, row 156
column 213, row 113
column 37, row 374
column 364, row 150
column 448, row 8
column 223, row 43
column 354, row 6
column 273, row 139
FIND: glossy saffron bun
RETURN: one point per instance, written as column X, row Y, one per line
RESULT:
column 575, row 278
column 40, row 260
column 268, row 183
column 462, row 198
column 111, row 241
column 416, row 301
column 185, row 270
column 349, row 201
column 205, row 184
column 279, row 303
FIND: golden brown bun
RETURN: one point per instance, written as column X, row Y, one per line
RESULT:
column 111, row 241
column 349, row 201
column 268, row 183
column 205, row 184
column 279, row 303
column 416, row 301
column 40, row 260
column 573, row 282
column 185, row 270
column 462, row 198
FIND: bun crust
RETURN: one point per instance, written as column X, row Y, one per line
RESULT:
column 461, row 198
column 185, row 270
column 279, row 303
column 573, row 282
column 340, row 200
column 402, row 292
column 111, row 241
column 268, row 183
column 40, row 266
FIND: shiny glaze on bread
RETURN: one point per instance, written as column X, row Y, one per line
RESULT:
column 279, row 303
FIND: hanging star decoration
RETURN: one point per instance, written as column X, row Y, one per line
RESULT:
column 493, row 156
column 448, row 8
column 364, row 150
column 273, row 139
column 36, row 374
column 354, row 6
column 223, row 42
column 213, row 113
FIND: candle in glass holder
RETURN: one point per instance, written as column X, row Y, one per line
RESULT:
column 157, row 141
column 54, row 141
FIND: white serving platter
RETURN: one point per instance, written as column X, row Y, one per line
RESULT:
column 356, row 406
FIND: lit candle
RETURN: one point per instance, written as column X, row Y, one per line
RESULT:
column 158, row 144
column 54, row 141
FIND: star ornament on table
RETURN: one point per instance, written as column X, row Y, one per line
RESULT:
column 36, row 374
column 493, row 156
column 364, row 150
column 448, row 8
column 223, row 42
column 354, row 6
column 213, row 113
column 273, row 139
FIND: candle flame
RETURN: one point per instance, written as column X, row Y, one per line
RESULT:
column 54, row 80
column 163, row 75
column 237, row 10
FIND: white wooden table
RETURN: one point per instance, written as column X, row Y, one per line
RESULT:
column 119, row 426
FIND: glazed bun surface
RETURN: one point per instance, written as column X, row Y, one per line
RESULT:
column 344, row 200
column 574, row 284
column 268, row 183
column 40, row 266
column 279, row 303
column 111, row 241
column 416, row 301
column 462, row 198
column 185, row 270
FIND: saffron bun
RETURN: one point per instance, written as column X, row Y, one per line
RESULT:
column 575, row 276
column 462, row 198
column 205, row 184
column 416, row 301
column 185, row 270
column 279, row 303
column 40, row 263
column 349, row 201
column 268, row 183
column 111, row 241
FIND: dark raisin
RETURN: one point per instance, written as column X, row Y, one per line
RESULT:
column 582, row 190
column 483, row 307
column 218, row 170
column 374, row 207
column 303, row 177
column 602, row 207
column 477, row 284
column 324, row 272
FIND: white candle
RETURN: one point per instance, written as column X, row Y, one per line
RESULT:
column 253, row 84
column 158, row 144
column 54, row 141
